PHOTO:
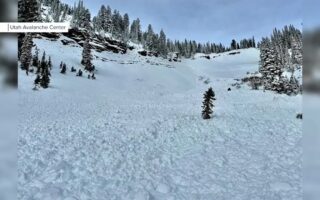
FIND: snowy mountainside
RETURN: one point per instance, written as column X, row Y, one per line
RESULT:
column 137, row 133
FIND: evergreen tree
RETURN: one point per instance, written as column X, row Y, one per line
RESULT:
column 275, row 59
column 43, row 63
column 28, row 11
column 268, row 63
column 150, row 38
column 37, row 82
column 296, row 55
column 35, row 58
column 79, row 73
column 253, row 42
column 207, row 106
column 86, row 52
column 103, row 20
column 45, row 79
column 39, row 67
column 26, row 52
column 50, row 63
column 117, row 22
column 109, row 20
column 125, row 28
column 81, row 16
column 135, row 31
column 56, row 11
column 233, row 44
column 44, row 72
column 87, row 56
column 63, row 69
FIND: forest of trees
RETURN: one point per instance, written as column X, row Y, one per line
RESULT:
column 279, row 53
column 111, row 22
column 120, row 27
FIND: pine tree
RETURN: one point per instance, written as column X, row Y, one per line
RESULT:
column 233, row 44
column 86, row 53
column 43, row 63
column 253, row 42
column 45, row 79
column 86, row 56
column 109, row 20
column 135, row 31
column 162, row 44
column 269, row 64
column 150, row 38
column 81, row 16
column 117, row 22
column 45, row 72
column 275, row 59
column 103, row 20
column 39, row 67
column 79, row 73
column 28, row 11
column 125, row 27
column 63, row 69
column 57, row 12
column 37, row 82
column 296, row 54
column 50, row 63
column 207, row 106
column 26, row 52
column 293, row 86
column 35, row 58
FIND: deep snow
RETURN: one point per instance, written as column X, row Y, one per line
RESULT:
column 136, row 133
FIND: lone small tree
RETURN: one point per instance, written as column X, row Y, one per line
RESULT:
column 64, row 68
column 208, row 98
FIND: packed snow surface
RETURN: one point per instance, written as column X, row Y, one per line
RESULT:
column 136, row 133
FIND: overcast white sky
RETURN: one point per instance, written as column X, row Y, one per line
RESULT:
column 208, row 20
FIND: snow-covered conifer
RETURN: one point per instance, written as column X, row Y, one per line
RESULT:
column 35, row 58
column 26, row 52
column 63, row 69
column 50, row 63
column 207, row 106
column 87, row 56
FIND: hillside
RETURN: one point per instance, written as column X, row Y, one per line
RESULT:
column 136, row 132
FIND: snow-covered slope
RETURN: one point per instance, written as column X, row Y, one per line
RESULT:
column 137, row 133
